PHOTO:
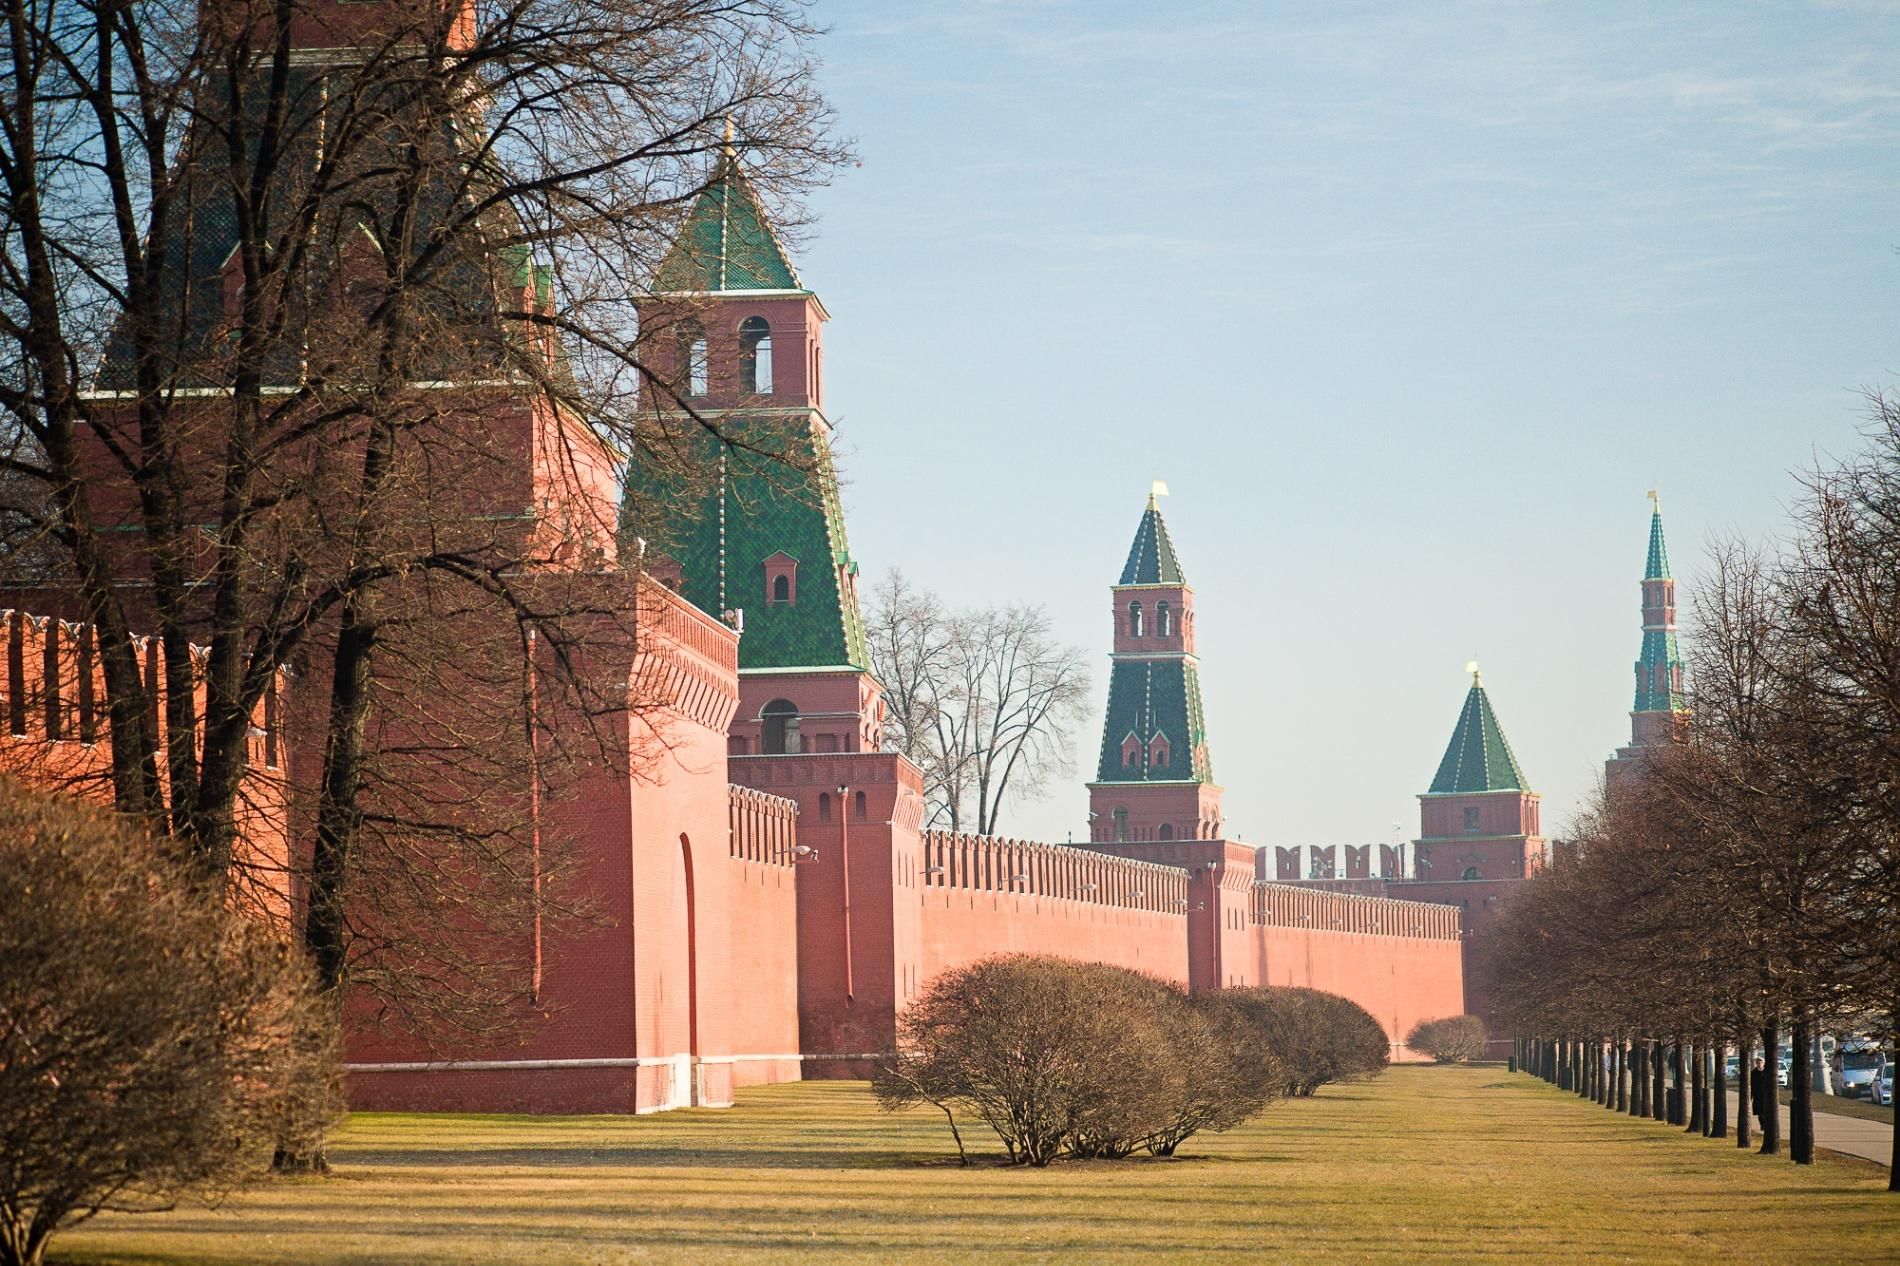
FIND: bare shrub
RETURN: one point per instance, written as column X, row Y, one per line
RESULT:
column 1452, row 1039
column 1318, row 1037
column 153, row 1042
column 1074, row 1059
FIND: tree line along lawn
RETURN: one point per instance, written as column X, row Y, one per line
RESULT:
column 1455, row 1163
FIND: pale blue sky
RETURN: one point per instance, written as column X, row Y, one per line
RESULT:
column 1409, row 304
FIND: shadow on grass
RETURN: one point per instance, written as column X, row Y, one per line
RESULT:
column 636, row 1157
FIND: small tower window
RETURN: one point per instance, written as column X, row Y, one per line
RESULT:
column 1163, row 625
column 781, row 578
column 824, row 806
column 693, row 371
column 1167, row 831
column 780, row 728
column 1471, row 820
column 755, row 356
column 1121, row 826
column 1134, row 619
column 1131, row 752
column 1471, row 872
column 858, row 805
column 1159, row 752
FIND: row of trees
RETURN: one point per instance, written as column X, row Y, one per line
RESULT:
column 1743, row 883
column 1066, row 1059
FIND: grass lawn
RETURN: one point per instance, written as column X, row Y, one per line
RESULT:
column 1465, row 1164
column 1842, row 1106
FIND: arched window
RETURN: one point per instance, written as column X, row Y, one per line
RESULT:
column 781, row 588
column 860, row 806
column 692, row 352
column 1471, row 872
column 1163, row 626
column 755, row 356
column 824, row 806
column 1134, row 619
column 1167, row 831
column 1121, row 825
column 780, row 737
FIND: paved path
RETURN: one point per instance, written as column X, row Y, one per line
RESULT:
column 1854, row 1135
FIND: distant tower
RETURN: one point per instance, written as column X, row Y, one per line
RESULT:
column 1479, row 820
column 1154, row 781
column 1660, row 705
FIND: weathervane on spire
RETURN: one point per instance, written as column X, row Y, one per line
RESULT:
column 1477, row 679
column 1156, row 489
column 1655, row 500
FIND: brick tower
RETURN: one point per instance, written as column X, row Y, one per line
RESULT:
column 1154, row 781
column 1479, row 821
column 1660, row 706
column 736, row 337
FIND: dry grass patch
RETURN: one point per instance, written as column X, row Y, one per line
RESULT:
column 1456, row 1163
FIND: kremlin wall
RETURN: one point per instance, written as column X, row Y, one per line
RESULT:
column 764, row 897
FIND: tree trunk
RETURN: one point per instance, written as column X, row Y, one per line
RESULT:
column 1771, row 1120
column 1639, row 1079
column 1801, row 1095
column 1622, row 1075
column 1658, row 1090
column 1718, row 1098
column 1699, row 1105
column 1744, row 1066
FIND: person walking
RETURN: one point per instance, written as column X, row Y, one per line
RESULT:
column 1761, row 1089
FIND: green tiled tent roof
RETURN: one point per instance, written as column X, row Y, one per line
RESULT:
column 1478, row 758
column 1147, row 698
column 1656, row 666
column 754, row 506
column 1658, row 568
column 726, row 242
column 1151, row 559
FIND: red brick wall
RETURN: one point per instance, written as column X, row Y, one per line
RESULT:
column 1067, row 902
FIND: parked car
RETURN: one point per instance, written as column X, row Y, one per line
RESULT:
column 1883, row 1086
column 1858, row 1070
column 1782, row 1065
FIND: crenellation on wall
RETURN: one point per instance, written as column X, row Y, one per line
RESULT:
column 992, row 864
column 763, row 827
column 1320, row 910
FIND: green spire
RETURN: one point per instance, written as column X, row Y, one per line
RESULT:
column 1151, row 559
column 1658, row 568
column 1478, row 757
column 1659, row 666
column 726, row 242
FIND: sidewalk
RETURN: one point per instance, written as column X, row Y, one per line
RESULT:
column 1851, row 1135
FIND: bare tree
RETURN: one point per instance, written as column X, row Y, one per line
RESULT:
column 321, row 350
column 985, row 702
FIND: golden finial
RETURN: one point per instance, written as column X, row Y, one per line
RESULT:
column 1655, row 500
column 728, row 129
column 1156, row 490
column 1477, row 679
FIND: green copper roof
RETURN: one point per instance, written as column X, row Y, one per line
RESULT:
column 1658, row 568
column 1659, row 666
column 1151, row 559
column 726, row 242
column 756, row 504
column 1478, row 758
column 1151, row 699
